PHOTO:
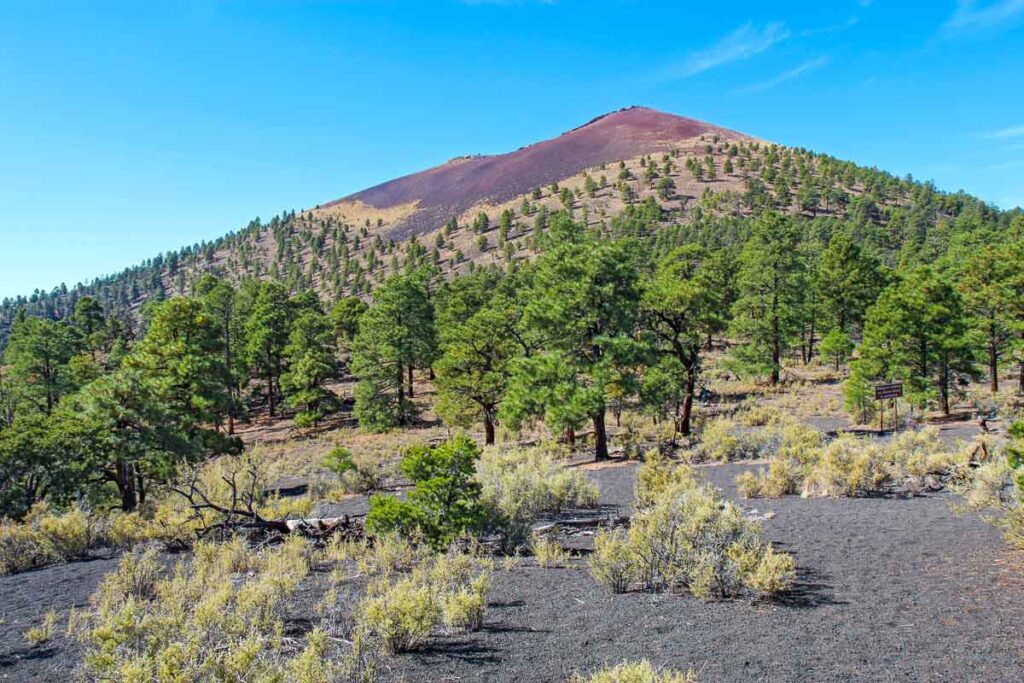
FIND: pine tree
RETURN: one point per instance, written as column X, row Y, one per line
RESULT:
column 266, row 331
column 396, row 334
column 584, row 299
column 678, row 299
column 766, row 316
column 918, row 332
column 310, row 354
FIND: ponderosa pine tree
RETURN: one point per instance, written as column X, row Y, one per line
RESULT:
column 345, row 315
column 38, row 356
column 766, row 316
column 266, row 331
column 584, row 303
column 476, row 316
column 848, row 281
column 181, row 361
column 985, row 281
column 310, row 354
column 219, row 301
column 677, row 301
column 918, row 332
column 395, row 335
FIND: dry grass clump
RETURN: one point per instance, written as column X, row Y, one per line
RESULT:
column 548, row 552
column 755, row 433
column 521, row 485
column 684, row 537
column 219, row 617
column 45, row 537
column 636, row 672
column 851, row 465
column 401, row 613
column 43, row 633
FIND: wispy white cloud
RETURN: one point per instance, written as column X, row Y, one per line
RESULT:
column 785, row 76
column 825, row 30
column 1004, row 133
column 969, row 16
column 743, row 43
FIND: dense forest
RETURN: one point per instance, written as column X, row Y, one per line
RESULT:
column 103, row 401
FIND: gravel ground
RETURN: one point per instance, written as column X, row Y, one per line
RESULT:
column 25, row 598
column 888, row 589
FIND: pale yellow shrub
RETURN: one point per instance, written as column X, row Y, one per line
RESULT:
column 548, row 552
column 43, row 633
column 773, row 573
column 23, row 547
column 636, row 672
column 217, row 617
column 687, row 540
column 463, row 609
column 519, row 486
column 612, row 563
column 656, row 475
column 401, row 614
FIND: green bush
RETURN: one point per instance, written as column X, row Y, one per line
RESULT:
column 357, row 474
column 445, row 501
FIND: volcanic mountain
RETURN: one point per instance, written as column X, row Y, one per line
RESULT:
column 487, row 210
column 452, row 188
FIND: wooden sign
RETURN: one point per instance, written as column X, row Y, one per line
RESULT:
column 887, row 391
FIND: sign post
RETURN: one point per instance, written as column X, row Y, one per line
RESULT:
column 883, row 392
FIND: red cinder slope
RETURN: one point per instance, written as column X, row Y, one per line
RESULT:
column 451, row 188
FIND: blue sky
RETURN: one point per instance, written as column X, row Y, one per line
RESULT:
column 131, row 128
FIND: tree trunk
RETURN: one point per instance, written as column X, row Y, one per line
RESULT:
column 270, row 393
column 993, row 361
column 691, row 386
column 810, row 342
column 944, row 388
column 570, row 436
column 776, row 352
column 124, row 479
column 488, row 430
column 410, row 380
column 401, row 389
column 600, row 437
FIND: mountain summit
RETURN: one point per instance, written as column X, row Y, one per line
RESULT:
column 451, row 188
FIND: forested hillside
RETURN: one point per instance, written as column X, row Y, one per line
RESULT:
column 692, row 181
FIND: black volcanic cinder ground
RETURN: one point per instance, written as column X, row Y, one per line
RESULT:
column 454, row 187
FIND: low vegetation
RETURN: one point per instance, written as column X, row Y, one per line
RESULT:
column 685, row 538
column 519, row 486
column 854, row 466
column 636, row 672
column 996, row 487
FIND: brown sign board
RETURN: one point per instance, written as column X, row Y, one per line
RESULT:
column 887, row 391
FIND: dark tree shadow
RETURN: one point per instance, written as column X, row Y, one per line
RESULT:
column 810, row 590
